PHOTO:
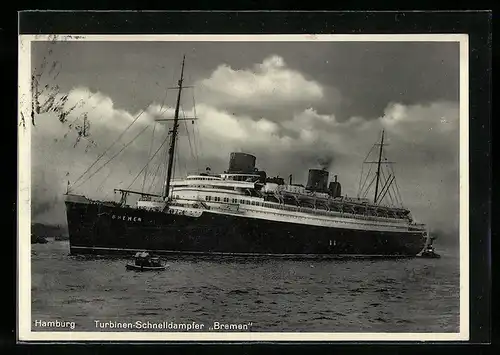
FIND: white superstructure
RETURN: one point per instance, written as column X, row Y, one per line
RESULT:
column 243, row 195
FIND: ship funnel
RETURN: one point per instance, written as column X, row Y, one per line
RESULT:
column 335, row 189
column 241, row 163
column 318, row 180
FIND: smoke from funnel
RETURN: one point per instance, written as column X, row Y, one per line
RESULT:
column 324, row 162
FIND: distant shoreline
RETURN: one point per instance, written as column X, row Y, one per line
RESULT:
column 57, row 232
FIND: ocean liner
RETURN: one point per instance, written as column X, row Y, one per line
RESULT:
column 243, row 212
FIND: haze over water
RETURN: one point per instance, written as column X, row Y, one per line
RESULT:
column 405, row 295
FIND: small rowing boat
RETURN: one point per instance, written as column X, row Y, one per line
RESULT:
column 145, row 262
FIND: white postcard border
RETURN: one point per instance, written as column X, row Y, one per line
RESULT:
column 24, row 198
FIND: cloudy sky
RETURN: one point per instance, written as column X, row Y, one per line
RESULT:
column 292, row 104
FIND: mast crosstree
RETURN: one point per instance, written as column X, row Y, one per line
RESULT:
column 174, row 131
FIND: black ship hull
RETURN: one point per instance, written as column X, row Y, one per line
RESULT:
column 102, row 229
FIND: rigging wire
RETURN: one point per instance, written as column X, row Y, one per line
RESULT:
column 200, row 148
column 163, row 170
column 119, row 137
column 163, row 103
column 194, row 133
column 361, row 188
column 177, row 159
column 386, row 187
column 394, row 199
column 196, row 128
column 121, row 150
column 194, row 105
column 140, row 172
column 388, row 192
column 383, row 191
column 155, row 175
column 360, row 178
column 393, row 204
column 196, row 151
column 151, row 169
column 366, row 179
column 397, row 198
column 384, row 159
column 397, row 192
column 188, row 135
column 395, row 189
column 382, row 178
column 149, row 154
column 368, row 188
column 163, row 166
column 159, row 165
column 174, row 163
column 99, row 188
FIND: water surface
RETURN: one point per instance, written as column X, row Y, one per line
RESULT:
column 404, row 295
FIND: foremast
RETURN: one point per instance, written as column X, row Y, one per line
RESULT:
column 171, row 148
column 173, row 137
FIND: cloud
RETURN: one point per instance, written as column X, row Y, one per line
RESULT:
column 60, row 154
column 268, row 85
column 423, row 140
column 418, row 122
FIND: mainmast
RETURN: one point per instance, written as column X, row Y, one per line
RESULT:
column 378, row 167
column 173, row 138
column 383, row 185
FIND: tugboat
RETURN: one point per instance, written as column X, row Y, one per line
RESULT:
column 145, row 262
column 429, row 253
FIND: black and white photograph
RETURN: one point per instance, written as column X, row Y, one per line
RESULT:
column 243, row 187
